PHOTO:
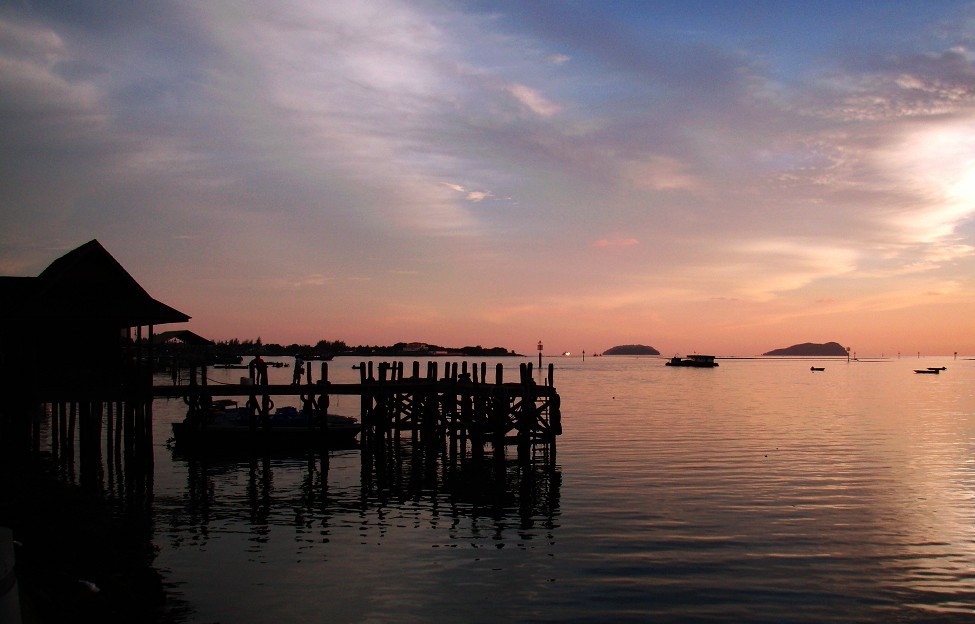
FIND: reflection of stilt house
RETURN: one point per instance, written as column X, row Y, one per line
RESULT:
column 68, row 333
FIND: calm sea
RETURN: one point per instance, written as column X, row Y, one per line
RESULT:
column 758, row 491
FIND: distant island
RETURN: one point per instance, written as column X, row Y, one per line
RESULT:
column 811, row 349
column 631, row 350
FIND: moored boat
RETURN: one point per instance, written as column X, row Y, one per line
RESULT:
column 226, row 424
column 695, row 361
column 927, row 371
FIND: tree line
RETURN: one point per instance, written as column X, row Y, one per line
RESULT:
column 324, row 348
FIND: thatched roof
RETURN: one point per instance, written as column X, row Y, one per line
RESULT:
column 86, row 285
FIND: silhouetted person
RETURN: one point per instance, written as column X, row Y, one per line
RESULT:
column 258, row 370
column 299, row 370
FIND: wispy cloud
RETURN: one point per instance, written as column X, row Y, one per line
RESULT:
column 631, row 165
column 532, row 100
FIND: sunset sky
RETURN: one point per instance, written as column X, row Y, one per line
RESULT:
column 718, row 177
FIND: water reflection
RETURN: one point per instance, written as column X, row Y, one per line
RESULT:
column 761, row 494
column 504, row 501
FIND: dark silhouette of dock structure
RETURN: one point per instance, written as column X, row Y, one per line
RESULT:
column 459, row 410
column 98, row 408
column 88, row 420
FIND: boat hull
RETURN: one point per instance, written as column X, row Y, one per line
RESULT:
column 341, row 433
column 693, row 361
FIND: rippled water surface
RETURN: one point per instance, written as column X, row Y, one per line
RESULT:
column 754, row 492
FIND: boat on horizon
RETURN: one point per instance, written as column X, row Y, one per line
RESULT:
column 927, row 371
column 693, row 361
column 817, row 368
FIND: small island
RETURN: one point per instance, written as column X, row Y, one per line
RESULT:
column 811, row 349
column 634, row 349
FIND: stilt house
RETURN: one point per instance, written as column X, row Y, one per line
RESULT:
column 69, row 331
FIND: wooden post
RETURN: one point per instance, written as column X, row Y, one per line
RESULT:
column 96, row 444
column 129, row 428
column 399, row 398
column 109, row 428
column 71, row 424
column 323, row 404
column 119, row 417
column 266, row 412
column 206, row 401
column 382, row 405
column 528, row 420
column 451, row 391
column 365, row 402
column 138, row 354
column 55, row 429
column 499, row 423
column 147, row 407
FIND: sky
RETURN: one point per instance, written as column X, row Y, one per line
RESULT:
column 710, row 177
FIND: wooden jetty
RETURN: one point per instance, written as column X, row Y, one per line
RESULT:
column 452, row 412
column 460, row 407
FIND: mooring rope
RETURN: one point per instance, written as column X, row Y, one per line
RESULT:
column 224, row 383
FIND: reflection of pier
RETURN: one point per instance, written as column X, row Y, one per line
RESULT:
column 101, row 443
column 461, row 414
column 437, row 439
column 257, row 490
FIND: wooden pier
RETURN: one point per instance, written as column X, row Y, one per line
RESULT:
column 460, row 410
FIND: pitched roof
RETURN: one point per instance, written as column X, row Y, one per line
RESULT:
column 86, row 284
column 181, row 335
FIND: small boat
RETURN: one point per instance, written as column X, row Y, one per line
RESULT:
column 226, row 424
column 695, row 361
column 937, row 368
column 817, row 368
column 927, row 371
column 226, row 359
